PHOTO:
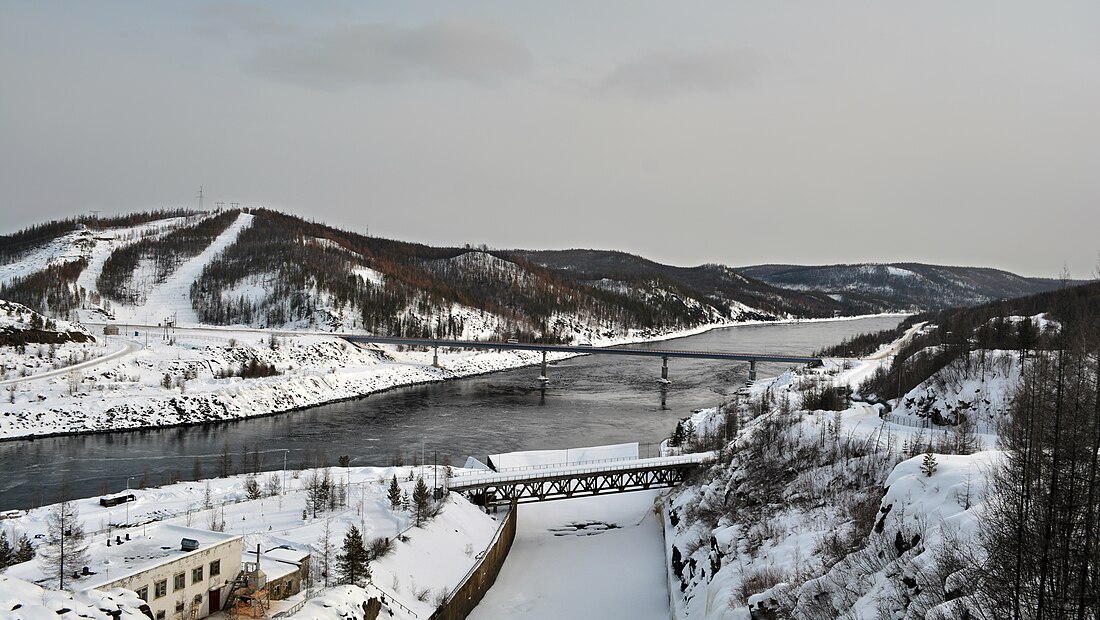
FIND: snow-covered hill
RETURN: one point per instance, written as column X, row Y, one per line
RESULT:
column 184, row 306
column 795, row 521
column 901, row 286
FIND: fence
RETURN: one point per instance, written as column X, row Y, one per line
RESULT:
column 980, row 426
column 477, row 582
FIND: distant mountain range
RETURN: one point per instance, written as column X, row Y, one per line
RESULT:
column 901, row 286
column 263, row 268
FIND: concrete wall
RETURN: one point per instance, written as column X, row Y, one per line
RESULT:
column 469, row 594
column 193, row 595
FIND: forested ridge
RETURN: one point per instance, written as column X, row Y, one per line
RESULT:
column 874, row 287
column 283, row 270
column 51, row 291
column 713, row 284
column 314, row 273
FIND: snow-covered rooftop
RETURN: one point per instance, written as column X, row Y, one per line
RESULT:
column 148, row 547
column 570, row 456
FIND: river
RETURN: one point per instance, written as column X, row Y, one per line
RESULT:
column 590, row 400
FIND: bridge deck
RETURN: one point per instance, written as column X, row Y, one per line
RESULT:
column 479, row 344
column 574, row 480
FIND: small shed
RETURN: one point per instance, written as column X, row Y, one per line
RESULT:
column 110, row 330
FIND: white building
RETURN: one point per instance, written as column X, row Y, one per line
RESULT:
column 180, row 572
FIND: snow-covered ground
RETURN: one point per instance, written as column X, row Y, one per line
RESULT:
column 795, row 542
column 592, row 557
column 425, row 561
column 567, row 560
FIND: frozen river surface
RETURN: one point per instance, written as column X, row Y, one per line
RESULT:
column 593, row 557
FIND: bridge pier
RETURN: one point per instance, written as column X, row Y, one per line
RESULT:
column 435, row 356
column 544, row 377
column 664, row 370
column 752, row 370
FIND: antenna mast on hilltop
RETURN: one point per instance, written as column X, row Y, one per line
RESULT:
column 200, row 198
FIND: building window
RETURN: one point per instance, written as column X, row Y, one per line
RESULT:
column 215, row 568
column 178, row 582
column 179, row 607
column 160, row 588
column 143, row 594
column 196, row 575
column 161, row 615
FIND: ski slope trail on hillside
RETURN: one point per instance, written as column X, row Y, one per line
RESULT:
column 109, row 241
column 173, row 297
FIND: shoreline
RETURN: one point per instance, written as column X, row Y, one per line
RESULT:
column 443, row 374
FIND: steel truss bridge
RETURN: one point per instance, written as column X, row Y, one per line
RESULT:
column 665, row 354
column 580, row 480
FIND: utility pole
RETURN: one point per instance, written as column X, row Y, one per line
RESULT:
column 200, row 198
column 61, row 556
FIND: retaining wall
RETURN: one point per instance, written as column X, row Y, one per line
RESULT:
column 469, row 593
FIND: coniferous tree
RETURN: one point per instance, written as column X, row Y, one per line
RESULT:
column 353, row 563
column 394, row 495
column 422, row 498
column 24, row 550
column 6, row 550
column 928, row 465
column 252, row 488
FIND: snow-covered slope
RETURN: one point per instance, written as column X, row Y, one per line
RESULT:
column 172, row 298
column 21, row 325
column 839, row 514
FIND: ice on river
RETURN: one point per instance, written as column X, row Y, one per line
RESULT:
column 591, row 557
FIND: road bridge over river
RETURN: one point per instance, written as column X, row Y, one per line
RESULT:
column 543, row 483
column 665, row 354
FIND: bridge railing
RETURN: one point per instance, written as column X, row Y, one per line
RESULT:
column 654, row 463
column 551, row 465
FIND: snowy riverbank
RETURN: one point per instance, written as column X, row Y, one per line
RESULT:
column 157, row 379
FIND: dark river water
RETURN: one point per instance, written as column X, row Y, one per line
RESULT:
column 590, row 400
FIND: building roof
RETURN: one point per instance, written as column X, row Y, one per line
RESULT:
column 572, row 456
column 278, row 562
column 148, row 547
column 288, row 554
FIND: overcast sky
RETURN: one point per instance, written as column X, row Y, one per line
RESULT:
column 732, row 132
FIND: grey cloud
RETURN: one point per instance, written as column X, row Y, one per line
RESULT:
column 667, row 73
column 376, row 53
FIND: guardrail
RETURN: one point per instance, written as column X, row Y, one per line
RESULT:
column 293, row 610
column 389, row 599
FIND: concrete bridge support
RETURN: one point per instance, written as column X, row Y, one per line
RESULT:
column 752, row 370
column 544, row 377
column 435, row 357
column 664, row 370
